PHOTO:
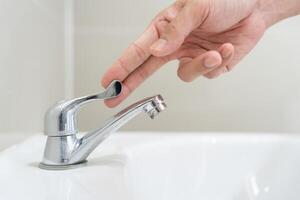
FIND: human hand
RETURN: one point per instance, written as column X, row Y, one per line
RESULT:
column 208, row 37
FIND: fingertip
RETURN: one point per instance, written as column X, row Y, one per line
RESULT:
column 216, row 73
column 108, row 77
column 212, row 59
column 110, row 104
column 226, row 50
column 183, row 76
column 190, row 69
column 114, row 72
column 211, row 75
column 113, row 102
column 215, row 54
column 104, row 82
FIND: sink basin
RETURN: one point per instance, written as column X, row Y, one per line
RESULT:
column 160, row 166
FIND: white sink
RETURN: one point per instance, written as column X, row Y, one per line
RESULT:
column 157, row 166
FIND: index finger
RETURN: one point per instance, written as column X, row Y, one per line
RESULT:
column 137, row 53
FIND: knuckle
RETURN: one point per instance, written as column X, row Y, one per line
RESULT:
column 180, row 3
column 123, row 65
column 203, row 7
column 184, row 77
column 174, row 33
column 172, row 28
column 155, row 30
column 140, row 52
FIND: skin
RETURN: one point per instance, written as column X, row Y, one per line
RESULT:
column 208, row 37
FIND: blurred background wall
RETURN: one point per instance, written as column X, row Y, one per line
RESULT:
column 53, row 49
column 261, row 94
column 32, row 62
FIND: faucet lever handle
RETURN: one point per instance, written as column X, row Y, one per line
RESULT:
column 113, row 90
column 60, row 119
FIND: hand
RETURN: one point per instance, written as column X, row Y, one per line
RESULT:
column 208, row 37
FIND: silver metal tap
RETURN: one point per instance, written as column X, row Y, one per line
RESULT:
column 65, row 149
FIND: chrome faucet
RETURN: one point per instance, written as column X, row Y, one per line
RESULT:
column 65, row 149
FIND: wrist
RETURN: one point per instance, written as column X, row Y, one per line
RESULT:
column 274, row 11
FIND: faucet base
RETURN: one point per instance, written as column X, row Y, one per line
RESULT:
column 62, row 167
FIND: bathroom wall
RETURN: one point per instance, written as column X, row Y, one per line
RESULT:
column 32, row 62
column 41, row 40
column 36, row 69
column 261, row 94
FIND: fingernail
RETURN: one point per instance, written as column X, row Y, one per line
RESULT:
column 210, row 62
column 159, row 45
column 225, row 53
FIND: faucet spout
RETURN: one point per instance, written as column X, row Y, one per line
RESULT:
column 85, row 145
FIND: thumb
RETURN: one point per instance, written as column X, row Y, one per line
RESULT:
column 173, row 34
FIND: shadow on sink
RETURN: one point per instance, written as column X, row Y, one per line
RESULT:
column 115, row 160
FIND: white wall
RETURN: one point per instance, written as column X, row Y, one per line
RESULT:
column 261, row 94
column 31, row 62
